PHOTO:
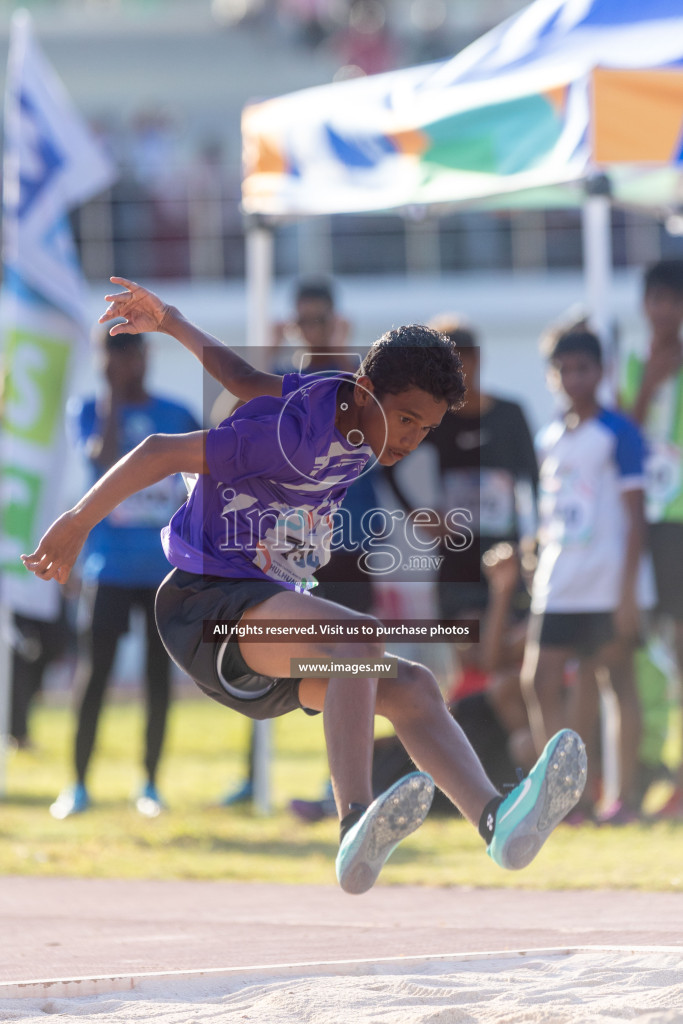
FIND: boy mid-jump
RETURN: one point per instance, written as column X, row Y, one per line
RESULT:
column 284, row 459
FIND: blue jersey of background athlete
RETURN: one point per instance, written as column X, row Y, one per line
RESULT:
column 277, row 470
column 124, row 549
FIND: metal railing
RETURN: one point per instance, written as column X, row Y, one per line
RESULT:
column 202, row 238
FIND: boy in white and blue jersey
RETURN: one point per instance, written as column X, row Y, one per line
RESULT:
column 288, row 455
column 591, row 530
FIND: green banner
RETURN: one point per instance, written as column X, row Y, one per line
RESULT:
column 35, row 385
column 21, row 492
column 33, row 445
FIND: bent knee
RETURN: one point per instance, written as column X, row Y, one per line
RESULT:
column 413, row 691
column 370, row 646
column 368, row 651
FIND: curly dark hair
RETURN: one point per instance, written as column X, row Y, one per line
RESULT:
column 416, row 356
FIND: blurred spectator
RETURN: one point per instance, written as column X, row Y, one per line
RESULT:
column 655, row 667
column 211, row 203
column 486, row 696
column 237, row 12
column 591, row 533
column 159, row 168
column 317, row 337
column 501, row 649
column 654, row 395
column 429, row 38
column 486, row 466
column 310, row 21
column 153, row 148
column 36, row 644
column 367, row 43
column 123, row 559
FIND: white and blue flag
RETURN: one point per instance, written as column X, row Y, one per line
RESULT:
column 52, row 163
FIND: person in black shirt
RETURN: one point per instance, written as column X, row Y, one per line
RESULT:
column 488, row 468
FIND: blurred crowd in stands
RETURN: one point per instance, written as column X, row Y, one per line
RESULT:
column 364, row 36
column 175, row 211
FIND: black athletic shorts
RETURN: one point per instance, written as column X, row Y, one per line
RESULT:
column 184, row 601
column 584, row 632
column 666, row 545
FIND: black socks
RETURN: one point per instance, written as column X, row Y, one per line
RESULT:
column 356, row 812
column 487, row 822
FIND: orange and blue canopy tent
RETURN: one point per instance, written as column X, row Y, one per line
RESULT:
column 562, row 93
column 524, row 115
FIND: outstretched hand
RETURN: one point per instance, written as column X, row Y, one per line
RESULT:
column 58, row 549
column 140, row 308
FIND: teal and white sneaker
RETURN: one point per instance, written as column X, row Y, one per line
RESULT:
column 73, row 800
column 389, row 819
column 537, row 805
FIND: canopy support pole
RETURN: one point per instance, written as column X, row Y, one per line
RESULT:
column 597, row 264
column 259, row 277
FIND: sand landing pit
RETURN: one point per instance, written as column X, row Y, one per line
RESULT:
column 562, row 986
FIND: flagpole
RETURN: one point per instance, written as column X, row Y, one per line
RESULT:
column 259, row 266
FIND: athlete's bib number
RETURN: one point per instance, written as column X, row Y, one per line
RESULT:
column 497, row 503
column 663, row 468
column 295, row 547
column 567, row 514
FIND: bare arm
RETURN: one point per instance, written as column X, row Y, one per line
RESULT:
column 501, row 567
column 142, row 310
column 158, row 456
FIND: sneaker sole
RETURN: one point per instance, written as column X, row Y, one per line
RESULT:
column 392, row 817
column 562, row 787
